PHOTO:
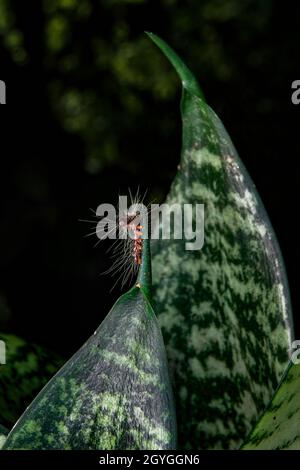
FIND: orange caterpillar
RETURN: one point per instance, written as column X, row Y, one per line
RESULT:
column 137, row 230
column 138, row 244
column 127, row 250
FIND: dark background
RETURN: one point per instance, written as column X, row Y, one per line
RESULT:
column 93, row 108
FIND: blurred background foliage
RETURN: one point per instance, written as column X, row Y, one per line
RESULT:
column 93, row 108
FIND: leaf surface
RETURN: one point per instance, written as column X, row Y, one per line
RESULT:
column 279, row 427
column 225, row 309
column 114, row 393
column 3, row 434
column 28, row 368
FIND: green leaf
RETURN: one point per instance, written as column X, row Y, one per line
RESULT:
column 28, row 368
column 224, row 310
column 188, row 80
column 145, row 272
column 279, row 427
column 114, row 393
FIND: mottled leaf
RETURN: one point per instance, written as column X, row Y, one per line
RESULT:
column 3, row 434
column 279, row 427
column 224, row 310
column 28, row 368
column 114, row 393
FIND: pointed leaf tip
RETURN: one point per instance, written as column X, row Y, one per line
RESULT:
column 188, row 80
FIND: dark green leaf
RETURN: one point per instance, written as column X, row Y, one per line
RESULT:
column 114, row 393
column 224, row 310
column 28, row 368
column 3, row 434
column 279, row 427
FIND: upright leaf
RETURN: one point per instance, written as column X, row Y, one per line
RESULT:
column 279, row 427
column 27, row 369
column 114, row 393
column 224, row 310
column 3, row 434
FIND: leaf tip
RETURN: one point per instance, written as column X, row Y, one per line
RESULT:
column 188, row 80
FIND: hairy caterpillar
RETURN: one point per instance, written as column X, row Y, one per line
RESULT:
column 127, row 227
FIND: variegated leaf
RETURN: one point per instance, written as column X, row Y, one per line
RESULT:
column 3, row 434
column 114, row 393
column 27, row 368
column 224, row 310
column 279, row 427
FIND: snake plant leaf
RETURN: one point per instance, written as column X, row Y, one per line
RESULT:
column 279, row 426
column 27, row 369
column 114, row 393
column 225, row 309
column 3, row 434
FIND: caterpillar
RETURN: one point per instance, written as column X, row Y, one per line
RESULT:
column 138, row 245
column 128, row 249
column 128, row 226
